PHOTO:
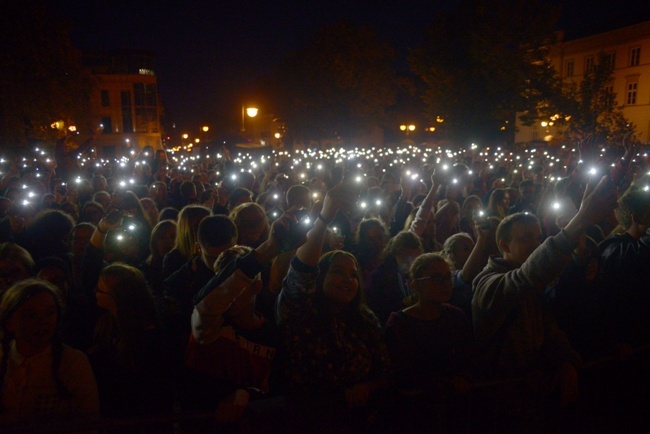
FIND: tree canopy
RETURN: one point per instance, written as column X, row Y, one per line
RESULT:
column 482, row 62
column 587, row 109
column 41, row 77
column 341, row 83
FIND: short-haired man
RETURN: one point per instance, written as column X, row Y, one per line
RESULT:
column 515, row 335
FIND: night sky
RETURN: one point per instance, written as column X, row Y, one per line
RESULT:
column 209, row 53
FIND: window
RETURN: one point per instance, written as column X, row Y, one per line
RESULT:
column 144, row 95
column 631, row 93
column 635, row 56
column 127, row 119
column 569, row 68
column 108, row 124
column 105, row 100
column 609, row 89
column 610, row 59
column 589, row 64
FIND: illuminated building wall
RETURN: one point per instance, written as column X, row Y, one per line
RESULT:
column 629, row 49
column 125, row 99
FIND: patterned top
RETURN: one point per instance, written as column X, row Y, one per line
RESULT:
column 327, row 352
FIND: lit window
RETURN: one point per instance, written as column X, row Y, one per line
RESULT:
column 631, row 93
column 635, row 56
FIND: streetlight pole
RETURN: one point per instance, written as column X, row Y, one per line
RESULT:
column 251, row 112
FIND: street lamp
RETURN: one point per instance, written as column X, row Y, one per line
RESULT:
column 407, row 128
column 251, row 112
column 205, row 128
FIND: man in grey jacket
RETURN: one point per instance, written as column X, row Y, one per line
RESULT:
column 515, row 335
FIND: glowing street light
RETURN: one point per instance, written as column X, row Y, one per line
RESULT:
column 251, row 112
column 205, row 128
column 407, row 128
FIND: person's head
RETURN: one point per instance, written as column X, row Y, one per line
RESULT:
column 48, row 200
column 91, row 212
column 132, row 206
column 188, row 191
column 371, row 237
column 499, row 200
column 470, row 205
column 158, row 192
column 527, row 191
column 252, row 224
column 339, row 280
column 99, row 183
column 634, row 207
column 30, row 314
column 239, row 196
column 103, row 198
column 168, row 213
column 123, row 293
column 79, row 239
column 457, row 249
column 404, row 248
column 56, row 271
column 15, row 264
column 216, row 234
column 70, row 209
column 431, row 279
column 122, row 290
column 187, row 227
column 150, row 210
column 518, row 235
column 163, row 237
column 300, row 196
column 50, row 226
column 5, row 204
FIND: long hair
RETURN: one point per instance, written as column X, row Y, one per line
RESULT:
column 155, row 258
column 494, row 206
column 357, row 310
column 187, row 227
column 135, row 313
column 13, row 299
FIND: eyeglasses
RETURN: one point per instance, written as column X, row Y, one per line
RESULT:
column 438, row 279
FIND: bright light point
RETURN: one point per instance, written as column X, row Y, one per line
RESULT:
column 378, row 202
column 363, row 204
column 131, row 227
column 556, row 205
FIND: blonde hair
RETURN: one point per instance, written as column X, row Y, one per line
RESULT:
column 187, row 228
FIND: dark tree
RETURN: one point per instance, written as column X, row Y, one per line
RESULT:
column 341, row 83
column 483, row 62
column 41, row 77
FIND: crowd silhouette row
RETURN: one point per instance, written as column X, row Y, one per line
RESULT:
column 364, row 291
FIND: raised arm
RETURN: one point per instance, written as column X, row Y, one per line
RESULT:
column 342, row 196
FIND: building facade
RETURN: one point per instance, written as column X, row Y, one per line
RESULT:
column 125, row 100
column 628, row 48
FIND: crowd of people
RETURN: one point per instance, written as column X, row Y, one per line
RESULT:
column 322, row 290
